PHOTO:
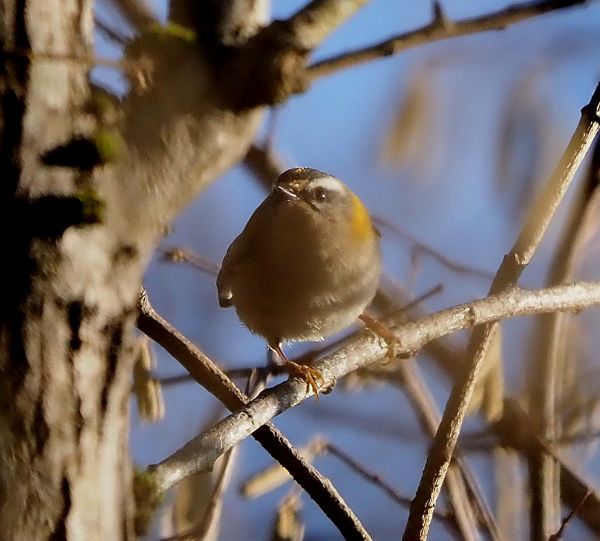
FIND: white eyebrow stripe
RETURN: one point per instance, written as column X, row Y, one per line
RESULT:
column 329, row 183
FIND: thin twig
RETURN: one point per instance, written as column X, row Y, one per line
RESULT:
column 509, row 272
column 217, row 383
column 441, row 258
column 274, row 476
column 233, row 373
column 176, row 254
column 370, row 476
column 379, row 481
column 556, row 536
column 581, row 437
column 440, row 29
column 435, row 290
column 360, row 350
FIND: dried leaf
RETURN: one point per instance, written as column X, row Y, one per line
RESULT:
column 191, row 501
column 509, row 500
column 147, row 390
column 276, row 475
column 489, row 391
column 288, row 524
column 197, row 505
column 407, row 139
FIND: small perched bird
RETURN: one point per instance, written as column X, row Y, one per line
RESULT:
column 306, row 265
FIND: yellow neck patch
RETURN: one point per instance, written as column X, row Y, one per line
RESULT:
column 362, row 228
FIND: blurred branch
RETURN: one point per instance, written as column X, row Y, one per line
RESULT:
column 274, row 476
column 513, row 421
column 444, row 260
column 233, row 373
column 136, row 12
column 314, row 22
column 271, row 67
column 440, row 29
column 357, row 351
column 516, row 431
column 176, row 254
column 264, row 164
column 556, row 536
column 460, row 478
column 210, row 376
column 371, row 476
column 509, row 272
column 548, row 364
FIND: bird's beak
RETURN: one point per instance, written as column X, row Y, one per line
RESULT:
column 288, row 193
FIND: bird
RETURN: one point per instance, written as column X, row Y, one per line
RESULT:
column 305, row 266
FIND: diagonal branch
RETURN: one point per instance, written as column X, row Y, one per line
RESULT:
column 460, row 477
column 217, row 383
column 439, row 29
column 360, row 350
column 509, row 272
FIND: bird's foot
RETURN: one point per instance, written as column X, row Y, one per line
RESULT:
column 384, row 332
column 312, row 376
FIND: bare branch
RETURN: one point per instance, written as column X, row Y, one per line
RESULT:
column 360, row 350
column 264, row 165
column 509, row 272
column 556, row 536
column 440, row 29
column 420, row 246
column 460, row 479
column 210, row 376
column 514, row 422
column 176, row 254
column 379, row 481
column 271, row 66
column 313, row 23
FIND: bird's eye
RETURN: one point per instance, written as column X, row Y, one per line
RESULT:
column 320, row 195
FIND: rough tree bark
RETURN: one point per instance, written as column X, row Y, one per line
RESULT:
column 77, row 232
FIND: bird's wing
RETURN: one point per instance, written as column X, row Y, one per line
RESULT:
column 235, row 255
column 242, row 248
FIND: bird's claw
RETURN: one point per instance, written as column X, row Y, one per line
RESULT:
column 312, row 376
column 384, row 332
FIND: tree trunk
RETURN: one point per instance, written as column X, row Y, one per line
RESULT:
column 77, row 233
column 68, row 299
